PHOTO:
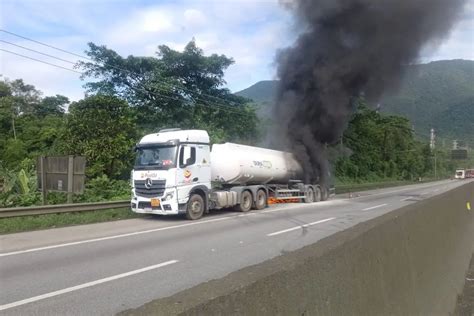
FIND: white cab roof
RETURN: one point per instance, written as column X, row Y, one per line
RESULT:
column 189, row 135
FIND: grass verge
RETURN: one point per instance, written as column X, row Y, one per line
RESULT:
column 36, row 222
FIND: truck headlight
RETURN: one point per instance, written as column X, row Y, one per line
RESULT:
column 168, row 196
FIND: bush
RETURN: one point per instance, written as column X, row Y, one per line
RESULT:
column 104, row 189
column 19, row 187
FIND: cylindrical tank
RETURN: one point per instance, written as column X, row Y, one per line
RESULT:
column 240, row 164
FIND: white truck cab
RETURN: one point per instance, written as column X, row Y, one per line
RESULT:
column 168, row 166
column 460, row 174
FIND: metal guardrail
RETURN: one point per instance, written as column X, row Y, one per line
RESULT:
column 61, row 208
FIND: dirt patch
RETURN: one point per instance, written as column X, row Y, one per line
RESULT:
column 465, row 303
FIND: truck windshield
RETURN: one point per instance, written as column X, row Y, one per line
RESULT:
column 156, row 157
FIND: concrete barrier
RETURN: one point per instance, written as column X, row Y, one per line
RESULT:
column 411, row 261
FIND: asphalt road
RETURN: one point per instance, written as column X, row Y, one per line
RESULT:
column 102, row 269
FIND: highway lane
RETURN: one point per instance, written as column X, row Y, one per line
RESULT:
column 105, row 268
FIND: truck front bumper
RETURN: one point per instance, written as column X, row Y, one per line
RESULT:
column 168, row 204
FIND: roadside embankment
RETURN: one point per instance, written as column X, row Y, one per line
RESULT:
column 411, row 261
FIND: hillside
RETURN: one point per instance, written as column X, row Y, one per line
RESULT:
column 439, row 95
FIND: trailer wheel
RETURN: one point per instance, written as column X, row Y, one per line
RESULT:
column 309, row 195
column 245, row 202
column 261, row 200
column 324, row 194
column 195, row 207
column 317, row 194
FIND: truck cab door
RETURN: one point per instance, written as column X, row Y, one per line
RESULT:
column 193, row 168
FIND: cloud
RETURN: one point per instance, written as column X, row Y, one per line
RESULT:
column 194, row 18
column 249, row 31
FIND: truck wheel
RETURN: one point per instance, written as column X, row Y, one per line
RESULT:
column 324, row 194
column 309, row 195
column 245, row 202
column 261, row 200
column 317, row 194
column 195, row 207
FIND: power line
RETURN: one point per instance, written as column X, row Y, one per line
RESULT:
column 115, row 67
column 40, row 61
column 44, row 44
column 207, row 104
column 38, row 52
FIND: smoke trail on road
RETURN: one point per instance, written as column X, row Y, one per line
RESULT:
column 349, row 49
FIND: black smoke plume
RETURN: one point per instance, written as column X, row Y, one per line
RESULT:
column 348, row 49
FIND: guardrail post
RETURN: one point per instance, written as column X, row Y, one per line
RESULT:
column 70, row 177
column 44, row 191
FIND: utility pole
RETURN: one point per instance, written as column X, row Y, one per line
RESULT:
column 432, row 139
column 432, row 147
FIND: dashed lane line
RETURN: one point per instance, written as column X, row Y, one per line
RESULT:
column 300, row 227
column 374, row 207
column 84, row 285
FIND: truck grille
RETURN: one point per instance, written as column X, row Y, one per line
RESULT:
column 156, row 189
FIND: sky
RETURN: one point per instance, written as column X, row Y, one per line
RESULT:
column 251, row 32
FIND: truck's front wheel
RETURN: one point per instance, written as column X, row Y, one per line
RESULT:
column 195, row 207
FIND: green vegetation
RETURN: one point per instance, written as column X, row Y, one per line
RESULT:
column 378, row 147
column 437, row 95
column 27, row 223
column 104, row 129
column 174, row 89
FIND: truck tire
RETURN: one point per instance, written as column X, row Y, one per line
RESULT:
column 260, row 200
column 324, row 194
column 317, row 193
column 245, row 202
column 195, row 207
column 309, row 195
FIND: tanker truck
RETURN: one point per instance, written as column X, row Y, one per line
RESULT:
column 176, row 172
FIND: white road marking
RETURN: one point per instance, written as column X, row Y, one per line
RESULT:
column 406, row 199
column 84, row 285
column 374, row 207
column 300, row 227
column 292, row 206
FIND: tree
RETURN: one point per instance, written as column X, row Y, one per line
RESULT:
column 13, row 153
column 33, row 121
column 102, row 128
column 381, row 146
column 53, row 105
column 25, row 95
column 174, row 89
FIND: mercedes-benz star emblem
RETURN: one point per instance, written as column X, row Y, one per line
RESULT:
column 148, row 183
